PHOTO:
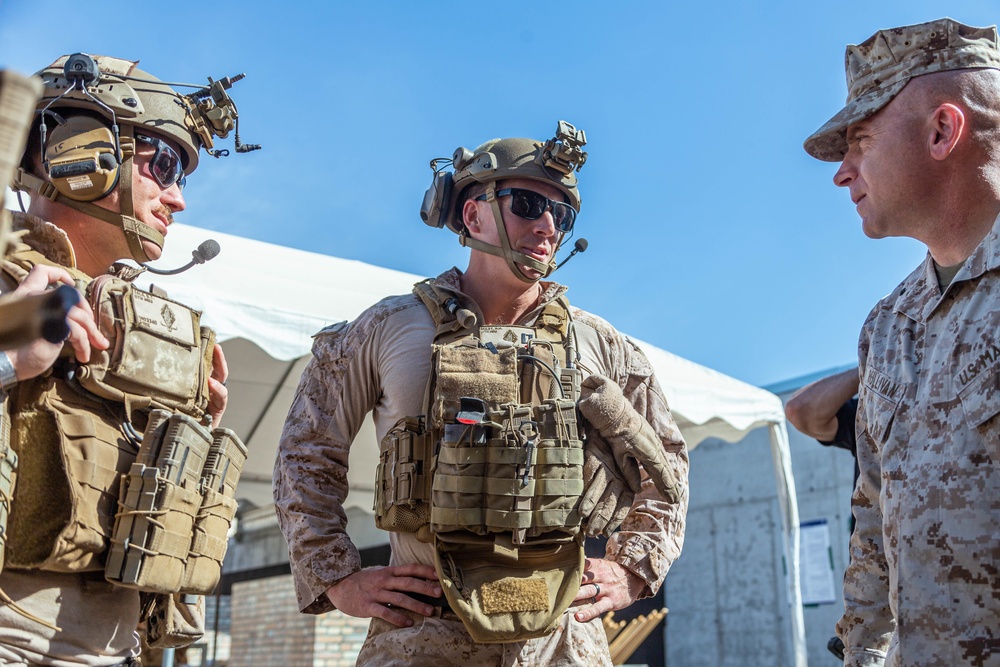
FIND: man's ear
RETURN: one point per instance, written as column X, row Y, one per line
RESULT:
column 470, row 216
column 947, row 129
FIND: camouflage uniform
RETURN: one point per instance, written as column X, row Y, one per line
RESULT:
column 381, row 363
column 101, row 630
column 923, row 587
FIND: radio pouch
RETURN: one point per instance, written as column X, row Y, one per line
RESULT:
column 403, row 479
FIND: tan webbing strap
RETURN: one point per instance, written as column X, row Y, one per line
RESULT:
column 528, row 519
column 457, row 517
column 33, row 184
column 496, row 453
column 208, row 545
column 511, row 256
column 434, row 299
column 92, row 474
column 135, row 231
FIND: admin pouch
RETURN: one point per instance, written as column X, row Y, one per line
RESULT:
column 493, row 474
column 176, row 507
column 160, row 356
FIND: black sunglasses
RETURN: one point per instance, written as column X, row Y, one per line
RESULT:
column 530, row 205
column 166, row 163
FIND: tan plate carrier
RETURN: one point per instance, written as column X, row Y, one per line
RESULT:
column 85, row 502
column 492, row 475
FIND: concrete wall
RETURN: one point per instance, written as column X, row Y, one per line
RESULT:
column 727, row 593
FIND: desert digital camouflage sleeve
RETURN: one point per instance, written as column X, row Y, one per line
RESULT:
column 651, row 537
column 310, row 473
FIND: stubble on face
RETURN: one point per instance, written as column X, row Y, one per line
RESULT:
column 889, row 170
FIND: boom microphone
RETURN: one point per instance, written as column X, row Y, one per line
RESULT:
column 579, row 246
column 204, row 252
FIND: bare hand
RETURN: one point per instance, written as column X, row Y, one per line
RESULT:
column 610, row 585
column 38, row 356
column 218, row 394
column 378, row 592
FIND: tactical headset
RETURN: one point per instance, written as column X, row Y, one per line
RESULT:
column 81, row 158
column 553, row 162
column 95, row 106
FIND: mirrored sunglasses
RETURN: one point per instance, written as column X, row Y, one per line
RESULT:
column 531, row 205
column 166, row 164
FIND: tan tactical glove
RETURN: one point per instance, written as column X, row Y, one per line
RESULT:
column 607, row 496
column 631, row 438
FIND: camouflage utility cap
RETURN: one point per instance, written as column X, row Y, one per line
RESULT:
column 882, row 65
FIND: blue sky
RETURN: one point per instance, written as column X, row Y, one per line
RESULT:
column 712, row 234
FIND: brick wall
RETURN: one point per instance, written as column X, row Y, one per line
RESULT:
column 267, row 629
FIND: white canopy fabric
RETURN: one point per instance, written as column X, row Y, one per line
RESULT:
column 266, row 301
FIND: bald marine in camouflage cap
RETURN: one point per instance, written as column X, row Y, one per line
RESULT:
column 473, row 381
column 919, row 146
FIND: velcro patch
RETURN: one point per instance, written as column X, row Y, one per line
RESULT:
column 510, row 595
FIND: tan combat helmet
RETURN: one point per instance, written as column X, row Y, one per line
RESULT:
column 554, row 162
column 87, row 155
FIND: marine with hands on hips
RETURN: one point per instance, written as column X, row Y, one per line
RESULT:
column 512, row 426
column 105, row 163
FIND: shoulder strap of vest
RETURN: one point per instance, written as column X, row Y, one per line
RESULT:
column 446, row 310
column 555, row 318
column 22, row 258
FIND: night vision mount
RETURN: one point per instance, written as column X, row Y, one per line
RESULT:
column 564, row 152
column 214, row 113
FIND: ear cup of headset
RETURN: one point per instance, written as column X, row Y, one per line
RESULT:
column 80, row 159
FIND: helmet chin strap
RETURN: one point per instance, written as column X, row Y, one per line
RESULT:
column 513, row 258
column 135, row 231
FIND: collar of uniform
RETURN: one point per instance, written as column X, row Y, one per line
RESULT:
column 450, row 280
column 986, row 257
column 44, row 237
column 920, row 291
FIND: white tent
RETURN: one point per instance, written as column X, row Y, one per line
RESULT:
column 265, row 302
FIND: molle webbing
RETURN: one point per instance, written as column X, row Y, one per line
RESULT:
column 403, row 477
column 176, row 507
column 518, row 473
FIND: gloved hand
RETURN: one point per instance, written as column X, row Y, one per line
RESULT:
column 631, row 438
column 606, row 497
